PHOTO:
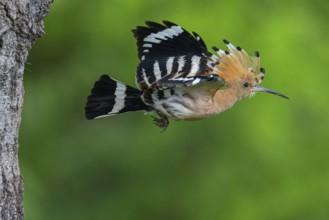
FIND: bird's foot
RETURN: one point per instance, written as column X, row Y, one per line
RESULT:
column 162, row 122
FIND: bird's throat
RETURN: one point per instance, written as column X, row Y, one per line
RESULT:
column 225, row 99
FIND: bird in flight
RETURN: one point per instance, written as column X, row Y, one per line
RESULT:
column 178, row 78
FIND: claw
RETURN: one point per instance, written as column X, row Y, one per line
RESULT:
column 162, row 122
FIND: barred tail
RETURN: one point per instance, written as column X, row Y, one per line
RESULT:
column 111, row 97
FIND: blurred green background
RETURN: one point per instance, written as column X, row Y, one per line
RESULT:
column 266, row 158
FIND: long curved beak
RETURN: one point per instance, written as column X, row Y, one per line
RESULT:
column 262, row 89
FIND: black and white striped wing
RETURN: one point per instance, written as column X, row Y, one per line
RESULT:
column 167, row 51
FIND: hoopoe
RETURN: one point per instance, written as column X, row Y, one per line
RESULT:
column 178, row 78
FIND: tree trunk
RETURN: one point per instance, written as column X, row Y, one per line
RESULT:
column 21, row 23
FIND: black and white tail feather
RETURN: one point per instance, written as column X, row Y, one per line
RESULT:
column 171, row 60
column 111, row 97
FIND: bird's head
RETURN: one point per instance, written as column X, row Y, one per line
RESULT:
column 241, row 72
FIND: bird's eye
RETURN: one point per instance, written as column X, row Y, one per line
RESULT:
column 246, row 85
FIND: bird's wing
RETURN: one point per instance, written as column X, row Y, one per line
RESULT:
column 168, row 53
column 190, row 81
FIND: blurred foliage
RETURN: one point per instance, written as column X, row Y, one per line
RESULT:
column 266, row 158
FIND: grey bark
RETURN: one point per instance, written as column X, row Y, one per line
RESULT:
column 21, row 23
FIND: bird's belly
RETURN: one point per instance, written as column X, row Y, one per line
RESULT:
column 185, row 108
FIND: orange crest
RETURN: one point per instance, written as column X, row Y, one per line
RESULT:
column 235, row 64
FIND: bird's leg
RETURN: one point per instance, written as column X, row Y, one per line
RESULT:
column 162, row 122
